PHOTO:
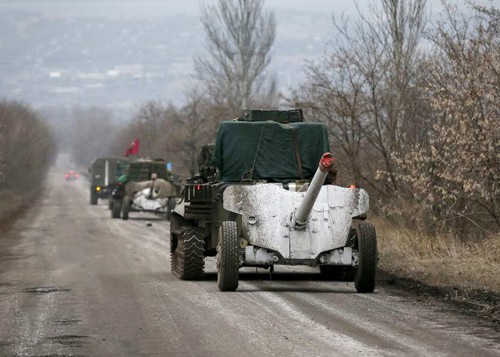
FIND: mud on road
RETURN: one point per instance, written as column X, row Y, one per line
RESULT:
column 482, row 304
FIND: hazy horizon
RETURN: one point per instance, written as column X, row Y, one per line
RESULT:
column 118, row 53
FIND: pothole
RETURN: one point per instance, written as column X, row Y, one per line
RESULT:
column 45, row 290
column 67, row 322
column 68, row 340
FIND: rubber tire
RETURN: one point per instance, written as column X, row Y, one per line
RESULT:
column 116, row 208
column 366, row 271
column 187, row 252
column 176, row 223
column 93, row 197
column 170, row 207
column 127, row 203
column 228, row 262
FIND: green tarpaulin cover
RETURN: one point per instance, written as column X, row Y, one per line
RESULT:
column 269, row 150
column 141, row 170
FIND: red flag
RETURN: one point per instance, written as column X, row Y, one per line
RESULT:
column 133, row 149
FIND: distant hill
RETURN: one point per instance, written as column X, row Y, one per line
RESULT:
column 118, row 53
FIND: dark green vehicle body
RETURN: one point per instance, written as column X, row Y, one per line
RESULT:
column 103, row 175
column 141, row 170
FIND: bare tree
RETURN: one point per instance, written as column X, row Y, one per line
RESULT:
column 192, row 126
column 240, row 36
column 168, row 132
column 368, row 89
column 455, row 174
column 92, row 130
column 147, row 125
column 3, row 142
column 151, row 125
column 28, row 148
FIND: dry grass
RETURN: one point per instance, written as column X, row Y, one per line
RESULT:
column 439, row 260
column 12, row 204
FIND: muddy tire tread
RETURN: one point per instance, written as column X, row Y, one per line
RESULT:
column 127, row 202
column 228, row 263
column 365, row 274
column 116, row 208
column 93, row 198
column 187, row 252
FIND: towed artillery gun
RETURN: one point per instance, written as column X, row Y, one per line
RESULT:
column 146, row 187
column 265, row 201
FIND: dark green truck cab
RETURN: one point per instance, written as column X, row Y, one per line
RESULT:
column 103, row 175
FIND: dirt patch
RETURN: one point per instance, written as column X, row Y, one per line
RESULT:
column 483, row 304
column 15, row 209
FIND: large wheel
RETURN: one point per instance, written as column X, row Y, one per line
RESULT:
column 176, row 224
column 116, row 208
column 127, row 203
column 93, row 197
column 187, row 250
column 170, row 207
column 228, row 261
column 365, row 273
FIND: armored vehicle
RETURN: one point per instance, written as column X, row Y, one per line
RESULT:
column 103, row 174
column 147, row 186
column 266, row 196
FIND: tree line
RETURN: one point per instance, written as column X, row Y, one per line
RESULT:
column 414, row 111
column 27, row 148
column 412, row 107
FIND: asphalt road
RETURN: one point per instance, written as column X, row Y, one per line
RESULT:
column 75, row 282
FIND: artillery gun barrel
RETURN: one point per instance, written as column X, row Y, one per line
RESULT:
column 326, row 165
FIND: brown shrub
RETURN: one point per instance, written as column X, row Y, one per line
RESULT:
column 439, row 259
column 27, row 148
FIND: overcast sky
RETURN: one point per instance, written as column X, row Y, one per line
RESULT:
column 159, row 8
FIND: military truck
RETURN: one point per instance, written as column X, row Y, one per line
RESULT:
column 267, row 198
column 103, row 174
column 147, row 186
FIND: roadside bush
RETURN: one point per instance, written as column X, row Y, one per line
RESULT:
column 417, row 126
column 454, row 175
column 439, row 259
column 27, row 149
